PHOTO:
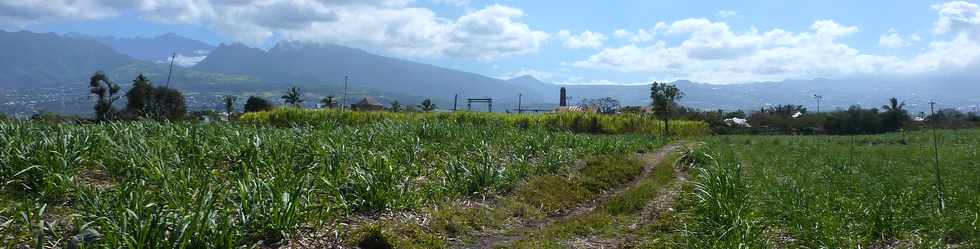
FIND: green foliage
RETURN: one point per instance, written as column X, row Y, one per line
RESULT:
column 328, row 102
column 107, row 94
column 293, row 97
column 221, row 185
column 664, row 97
column 229, row 102
column 427, row 105
column 162, row 103
column 573, row 122
column 835, row 192
column 257, row 104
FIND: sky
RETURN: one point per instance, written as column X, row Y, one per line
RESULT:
column 568, row 41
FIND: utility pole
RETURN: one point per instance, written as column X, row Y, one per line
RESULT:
column 455, row 100
column 939, row 176
column 171, row 68
column 818, row 97
column 343, row 107
column 519, row 108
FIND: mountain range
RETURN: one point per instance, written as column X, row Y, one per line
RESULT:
column 52, row 60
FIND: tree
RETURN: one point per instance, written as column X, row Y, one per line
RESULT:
column 607, row 105
column 395, row 106
column 293, row 97
column 144, row 100
column 257, row 104
column 895, row 115
column 427, row 105
column 664, row 97
column 230, row 104
column 168, row 103
column 106, row 91
column 139, row 98
column 329, row 102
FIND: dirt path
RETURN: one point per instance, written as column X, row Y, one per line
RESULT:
column 664, row 200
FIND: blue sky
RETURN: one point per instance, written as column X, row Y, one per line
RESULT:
column 606, row 42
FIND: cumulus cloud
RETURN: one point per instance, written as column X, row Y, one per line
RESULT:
column 957, row 16
column 586, row 39
column 640, row 35
column 397, row 25
column 712, row 52
column 892, row 39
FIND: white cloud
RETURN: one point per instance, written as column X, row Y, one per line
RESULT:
column 395, row 25
column 638, row 36
column 185, row 61
column 727, row 13
column 892, row 39
column 712, row 52
column 957, row 16
column 586, row 39
column 538, row 74
column 457, row 3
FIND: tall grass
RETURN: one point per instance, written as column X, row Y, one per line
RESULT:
column 176, row 185
column 573, row 122
column 838, row 192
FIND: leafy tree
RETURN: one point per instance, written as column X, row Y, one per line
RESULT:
column 664, row 97
column 395, row 106
column 106, row 91
column 855, row 120
column 329, row 102
column 257, row 104
column 139, row 98
column 607, row 105
column 894, row 116
column 293, row 97
column 168, row 103
column 427, row 105
column 230, row 104
column 144, row 100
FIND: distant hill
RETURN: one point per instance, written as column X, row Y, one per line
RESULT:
column 305, row 64
column 33, row 59
column 954, row 90
column 156, row 49
column 41, row 61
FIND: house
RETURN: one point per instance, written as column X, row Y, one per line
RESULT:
column 581, row 109
column 368, row 104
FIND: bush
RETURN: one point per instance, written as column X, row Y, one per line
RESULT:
column 257, row 104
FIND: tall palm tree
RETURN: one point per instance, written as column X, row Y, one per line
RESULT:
column 293, row 97
column 894, row 105
column 895, row 115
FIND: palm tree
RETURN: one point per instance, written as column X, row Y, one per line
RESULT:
column 894, row 105
column 329, row 102
column 895, row 115
column 664, row 96
column 427, row 105
column 293, row 97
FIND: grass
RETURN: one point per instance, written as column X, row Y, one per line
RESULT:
column 573, row 122
column 177, row 185
column 539, row 198
column 835, row 192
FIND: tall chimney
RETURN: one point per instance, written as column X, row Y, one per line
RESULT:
column 564, row 99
